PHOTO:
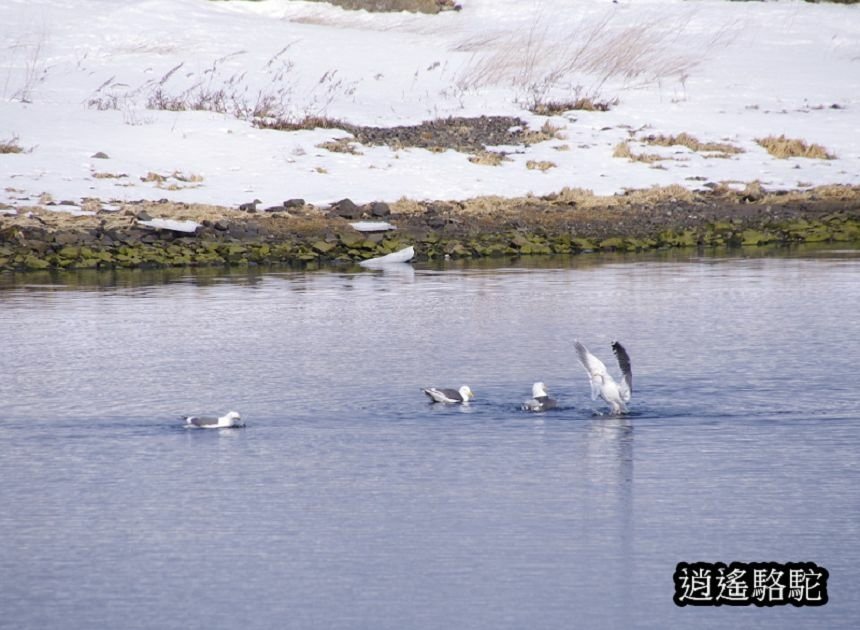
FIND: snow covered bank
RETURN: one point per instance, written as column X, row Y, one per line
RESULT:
column 80, row 79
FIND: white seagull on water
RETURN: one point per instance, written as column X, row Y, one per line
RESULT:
column 602, row 383
column 444, row 395
column 540, row 400
column 228, row 421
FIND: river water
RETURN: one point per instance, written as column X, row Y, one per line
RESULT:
column 348, row 501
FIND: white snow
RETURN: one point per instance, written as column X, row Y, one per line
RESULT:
column 171, row 224
column 372, row 226
column 395, row 258
column 76, row 78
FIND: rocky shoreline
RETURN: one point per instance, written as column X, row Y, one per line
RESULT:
column 99, row 236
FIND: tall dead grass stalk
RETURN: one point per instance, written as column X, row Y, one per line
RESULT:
column 544, row 61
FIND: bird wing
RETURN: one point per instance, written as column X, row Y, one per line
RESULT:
column 533, row 404
column 626, row 387
column 547, row 403
column 594, row 366
column 198, row 421
column 443, row 394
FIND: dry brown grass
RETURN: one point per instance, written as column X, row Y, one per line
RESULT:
column 415, row 6
column 543, row 61
column 553, row 108
column 542, row 165
column 489, row 158
column 548, row 131
column 623, row 150
column 10, row 146
column 783, row 148
column 340, row 145
column 290, row 123
column 693, row 143
column 180, row 181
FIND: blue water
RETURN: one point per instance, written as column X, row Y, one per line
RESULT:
column 350, row 502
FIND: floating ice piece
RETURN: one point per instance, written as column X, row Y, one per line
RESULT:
column 373, row 226
column 400, row 256
column 171, row 224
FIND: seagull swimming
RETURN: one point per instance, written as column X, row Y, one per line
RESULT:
column 228, row 421
column 602, row 384
column 540, row 400
column 444, row 395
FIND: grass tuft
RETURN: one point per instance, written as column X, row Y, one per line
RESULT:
column 543, row 165
column 489, row 158
column 588, row 104
column 623, row 150
column 10, row 146
column 782, row 148
column 291, row 123
column 340, row 145
column 693, row 143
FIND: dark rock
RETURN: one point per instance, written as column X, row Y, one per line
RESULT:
column 345, row 208
column 243, row 229
column 274, row 209
column 39, row 247
column 143, row 215
column 436, row 222
column 289, row 204
column 251, row 206
column 221, row 226
column 380, row 209
column 101, row 155
column 65, row 238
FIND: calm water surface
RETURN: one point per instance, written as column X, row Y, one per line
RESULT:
column 350, row 502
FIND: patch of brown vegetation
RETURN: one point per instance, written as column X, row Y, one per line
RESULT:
column 181, row 180
column 289, row 123
column 623, row 150
column 467, row 135
column 694, row 144
column 554, row 108
column 540, row 165
column 489, row 158
column 414, row 6
column 548, row 131
column 340, row 145
column 10, row 146
column 782, row 148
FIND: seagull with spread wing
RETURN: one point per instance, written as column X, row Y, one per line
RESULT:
column 602, row 383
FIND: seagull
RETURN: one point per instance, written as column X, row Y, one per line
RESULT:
column 444, row 395
column 540, row 400
column 602, row 383
column 228, row 421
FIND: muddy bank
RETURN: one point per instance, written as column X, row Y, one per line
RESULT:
column 298, row 234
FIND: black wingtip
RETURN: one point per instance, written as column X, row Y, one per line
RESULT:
column 623, row 362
